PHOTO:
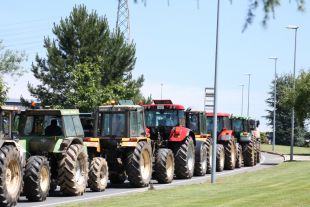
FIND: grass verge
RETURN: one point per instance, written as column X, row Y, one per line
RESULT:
column 285, row 150
column 284, row 185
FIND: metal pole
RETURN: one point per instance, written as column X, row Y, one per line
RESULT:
column 242, row 100
column 249, row 82
column 274, row 103
column 213, row 172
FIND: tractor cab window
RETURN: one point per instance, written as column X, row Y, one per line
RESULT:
column 237, row 125
column 155, row 118
column 203, row 124
column 42, row 125
column 4, row 123
column 136, row 124
column 210, row 124
column 227, row 122
column 193, row 122
column 73, row 126
column 113, row 124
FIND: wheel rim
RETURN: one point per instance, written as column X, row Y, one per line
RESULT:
column 103, row 175
column 169, row 166
column 190, row 158
column 13, row 178
column 79, row 170
column 145, row 164
column 44, row 178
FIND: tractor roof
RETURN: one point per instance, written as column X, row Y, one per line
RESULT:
column 54, row 112
column 9, row 108
column 218, row 114
column 163, row 104
column 194, row 112
column 120, row 108
column 239, row 117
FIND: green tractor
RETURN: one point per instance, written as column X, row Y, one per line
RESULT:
column 197, row 122
column 53, row 139
column 11, row 159
column 245, row 138
column 119, row 135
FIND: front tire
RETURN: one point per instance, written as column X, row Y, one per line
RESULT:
column 239, row 162
column 139, row 165
column 73, row 171
column 201, row 160
column 185, row 159
column 220, row 158
column 230, row 155
column 11, row 176
column 249, row 154
column 98, row 174
column 37, row 178
column 164, row 166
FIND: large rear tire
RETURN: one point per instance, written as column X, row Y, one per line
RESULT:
column 184, row 155
column 37, row 178
column 220, row 158
column 248, row 153
column 11, row 176
column 239, row 161
column 230, row 155
column 200, row 159
column 98, row 174
column 73, row 171
column 139, row 165
column 164, row 166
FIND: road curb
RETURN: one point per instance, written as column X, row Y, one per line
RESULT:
column 274, row 153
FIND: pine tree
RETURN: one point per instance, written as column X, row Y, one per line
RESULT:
column 86, row 64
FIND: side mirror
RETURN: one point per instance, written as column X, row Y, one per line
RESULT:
column 257, row 123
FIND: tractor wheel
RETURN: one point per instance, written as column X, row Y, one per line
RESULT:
column 139, row 164
column 201, row 160
column 220, row 158
column 164, row 166
column 255, row 150
column 184, row 156
column 37, row 178
column 258, row 151
column 239, row 162
column 11, row 177
column 98, row 174
column 248, row 153
column 230, row 155
column 117, row 177
column 209, row 156
column 73, row 171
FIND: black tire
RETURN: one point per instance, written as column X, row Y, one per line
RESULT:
column 37, row 178
column 239, row 161
column 10, row 187
column 139, row 165
column 184, row 156
column 209, row 156
column 73, row 171
column 255, row 150
column 164, row 166
column 200, row 159
column 220, row 157
column 230, row 155
column 258, row 151
column 117, row 178
column 248, row 153
column 98, row 174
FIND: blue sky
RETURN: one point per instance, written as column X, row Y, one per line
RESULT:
column 175, row 46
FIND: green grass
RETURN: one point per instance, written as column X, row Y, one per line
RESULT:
column 284, row 185
column 286, row 149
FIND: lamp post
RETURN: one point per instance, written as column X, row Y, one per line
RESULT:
column 242, row 86
column 213, row 171
column 274, row 102
column 249, row 82
column 294, row 27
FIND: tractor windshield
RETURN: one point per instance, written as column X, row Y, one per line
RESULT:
column 155, row 118
column 237, row 125
column 113, row 124
column 210, row 124
column 192, row 122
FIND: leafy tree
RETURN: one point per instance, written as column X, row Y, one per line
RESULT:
column 299, row 98
column 10, row 63
column 86, row 64
column 283, row 114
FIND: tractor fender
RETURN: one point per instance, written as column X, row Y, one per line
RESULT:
column 179, row 133
column 225, row 135
column 63, row 144
column 21, row 150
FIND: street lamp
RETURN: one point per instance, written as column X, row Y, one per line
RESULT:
column 249, row 82
column 213, row 171
column 242, row 86
column 274, row 101
column 294, row 27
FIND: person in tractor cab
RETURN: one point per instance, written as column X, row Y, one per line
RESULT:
column 170, row 120
column 53, row 129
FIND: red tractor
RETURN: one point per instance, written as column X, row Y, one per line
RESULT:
column 166, row 122
column 229, row 152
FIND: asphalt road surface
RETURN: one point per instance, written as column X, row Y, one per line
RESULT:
column 268, row 160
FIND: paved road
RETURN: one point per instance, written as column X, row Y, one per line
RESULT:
column 268, row 160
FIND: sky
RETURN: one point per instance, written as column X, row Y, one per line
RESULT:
column 175, row 47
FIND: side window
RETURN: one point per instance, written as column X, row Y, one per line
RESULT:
column 78, row 126
column 181, row 118
column 134, row 125
column 140, row 123
column 69, row 126
column 28, row 125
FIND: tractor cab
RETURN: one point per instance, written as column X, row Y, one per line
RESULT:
column 7, row 125
column 241, row 128
column 197, row 122
column 162, row 116
column 223, row 122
